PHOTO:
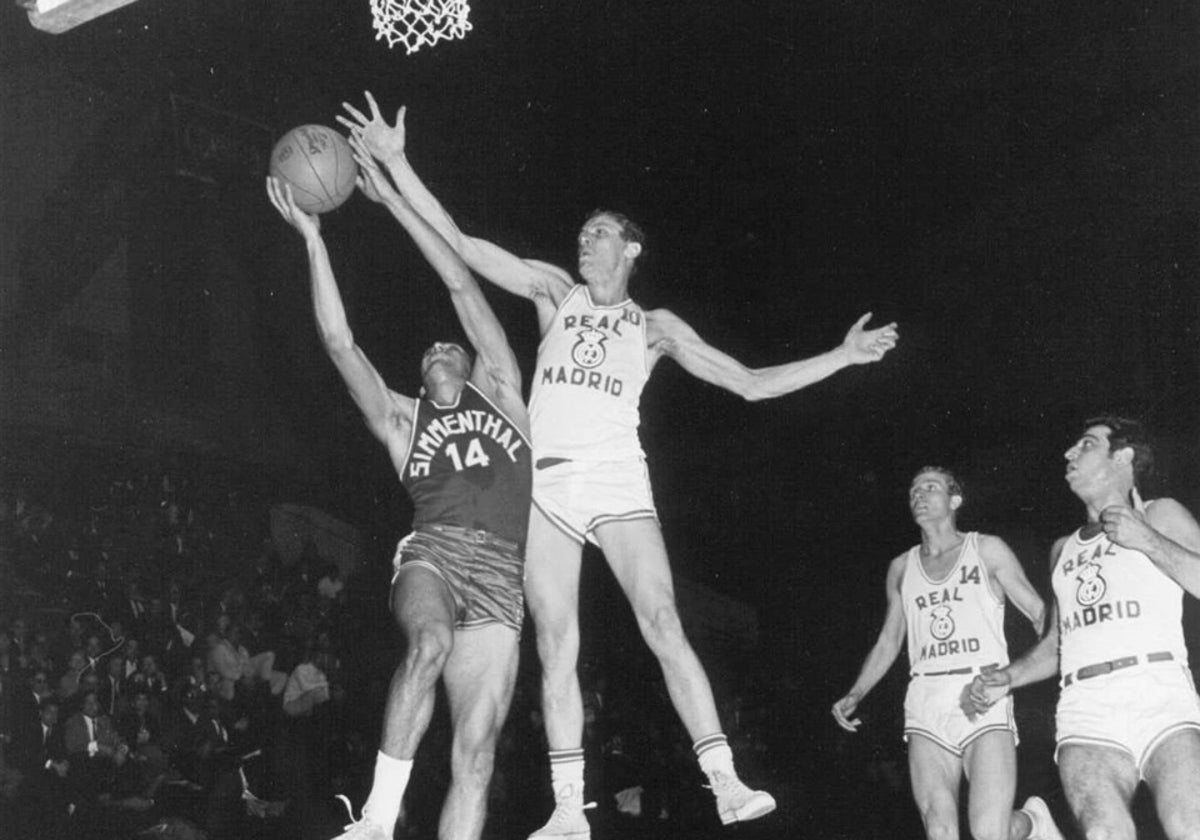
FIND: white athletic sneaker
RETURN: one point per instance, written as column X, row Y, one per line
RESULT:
column 1043, row 824
column 736, row 802
column 362, row 829
column 568, row 821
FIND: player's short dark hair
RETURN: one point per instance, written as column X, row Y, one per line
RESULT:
column 631, row 231
column 1128, row 433
column 953, row 486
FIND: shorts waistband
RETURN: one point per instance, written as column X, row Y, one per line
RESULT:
column 470, row 534
column 966, row 669
column 1100, row 668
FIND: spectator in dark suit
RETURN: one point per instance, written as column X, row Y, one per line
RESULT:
column 112, row 687
column 44, row 795
column 92, row 743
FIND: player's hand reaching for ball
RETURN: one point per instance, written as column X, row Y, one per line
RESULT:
column 380, row 139
column 371, row 180
column 280, row 194
column 863, row 345
column 843, row 712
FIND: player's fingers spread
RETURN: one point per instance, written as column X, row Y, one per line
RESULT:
column 401, row 114
column 371, row 101
column 863, row 320
column 354, row 112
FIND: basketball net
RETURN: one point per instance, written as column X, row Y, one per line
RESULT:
column 417, row 22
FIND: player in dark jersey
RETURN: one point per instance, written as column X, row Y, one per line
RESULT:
column 462, row 453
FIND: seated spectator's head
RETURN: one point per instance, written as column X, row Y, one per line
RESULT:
column 76, row 662
column 48, row 710
column 90, row 681
column 92, row 646
column 116, row 667
column 149, row 665
column 91, row 703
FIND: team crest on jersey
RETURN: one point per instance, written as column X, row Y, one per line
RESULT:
column 589, row 351
column 1092, row 585
column 941, row 625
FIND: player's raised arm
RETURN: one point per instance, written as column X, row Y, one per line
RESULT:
column 669, row 335
column 544, row 284
column 496, row 360
column 883, row 654
column 1007, row 572
column 384, row 410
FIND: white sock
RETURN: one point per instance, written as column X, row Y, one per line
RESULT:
column 566, row 773
column 714, row 755
column 387, row 790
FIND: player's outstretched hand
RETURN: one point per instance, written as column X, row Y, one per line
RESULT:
column 843, row 713
column 280, row 194
column 380, row 139
column 984, row 691
column 1128, row 527
column 863, row 345
column 371, row 180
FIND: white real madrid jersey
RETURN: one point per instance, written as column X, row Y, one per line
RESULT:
column 954, row 622
column 1113, row 602
column 591, row 368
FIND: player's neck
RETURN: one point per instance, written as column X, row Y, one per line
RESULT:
column 609, row 290
column 939, row 537
column 1116, row 495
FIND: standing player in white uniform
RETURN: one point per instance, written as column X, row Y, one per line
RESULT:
column 590, row 480
column 462, row 452
column 1128, row 709
column 947, row 596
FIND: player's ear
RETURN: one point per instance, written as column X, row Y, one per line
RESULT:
column 1124, row 455
column 632, row 249
column 956, row 502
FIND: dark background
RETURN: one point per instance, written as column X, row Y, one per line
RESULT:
column 1016, row 185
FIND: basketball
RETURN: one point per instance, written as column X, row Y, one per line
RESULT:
column 319, row 165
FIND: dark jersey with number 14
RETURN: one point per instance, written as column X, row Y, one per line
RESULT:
column 469, row 465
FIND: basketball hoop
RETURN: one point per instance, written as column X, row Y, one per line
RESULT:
column 418, row 22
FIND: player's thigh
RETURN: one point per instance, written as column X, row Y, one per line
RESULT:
column 421, row 599
column 552, row 567
column 1173, row 774
column 479, row 677
column 936, row 775
column 637, row 555
column 990, row 765
column 1099, row 783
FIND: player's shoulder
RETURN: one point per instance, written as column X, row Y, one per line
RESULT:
column 992, row 545
column 899, row 563
column 1167, row 512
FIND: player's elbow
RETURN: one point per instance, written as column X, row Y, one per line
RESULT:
column 337, row 342
column 753, row 388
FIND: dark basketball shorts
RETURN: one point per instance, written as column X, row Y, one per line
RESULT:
column 483, row 572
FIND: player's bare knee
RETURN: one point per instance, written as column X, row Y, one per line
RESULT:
column 428, row 650
column 473, row 763
column 663, row 630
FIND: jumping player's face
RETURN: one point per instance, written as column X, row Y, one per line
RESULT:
column 929, row 497
column 1089, row 462
column 602, row 247
column 447, row 358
